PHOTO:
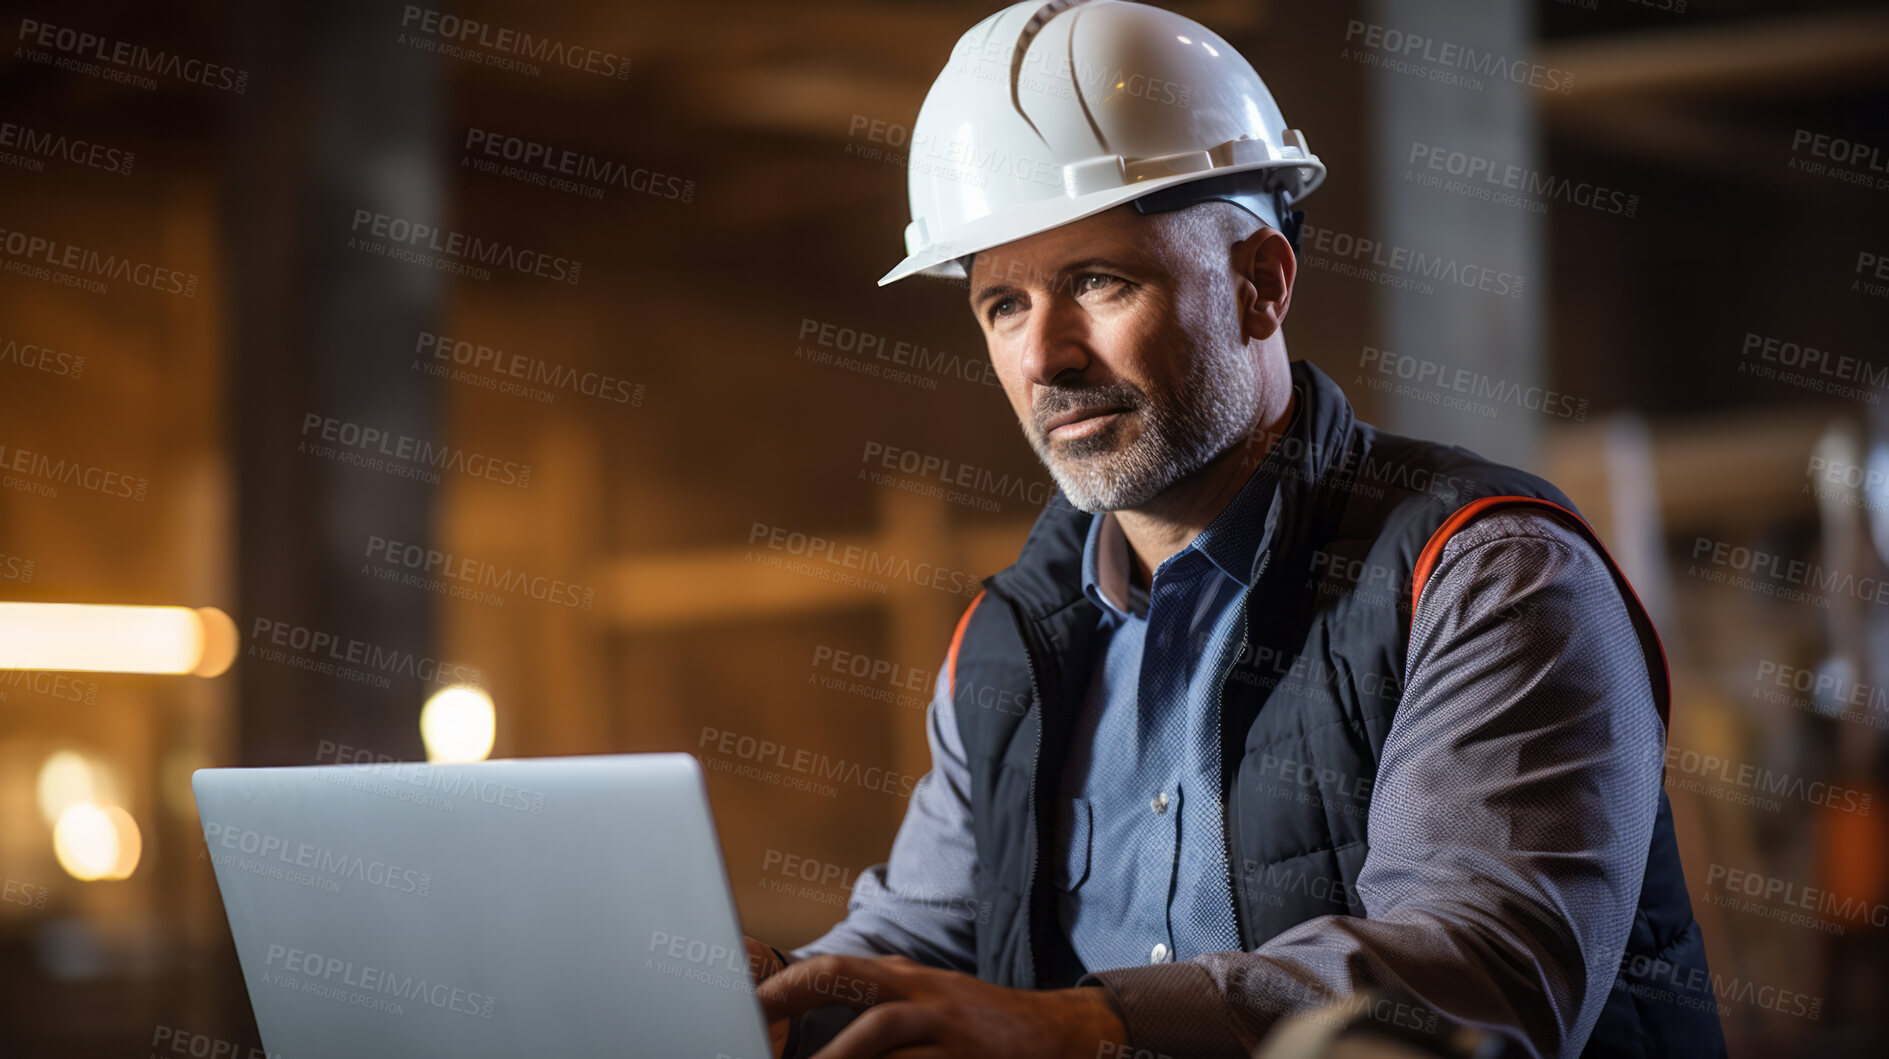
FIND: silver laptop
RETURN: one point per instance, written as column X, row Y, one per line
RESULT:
column 552, row 906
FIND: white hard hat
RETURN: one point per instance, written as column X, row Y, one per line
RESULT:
column 1051, row 112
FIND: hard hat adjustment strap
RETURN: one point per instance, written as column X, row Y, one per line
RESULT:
column 1291, row 221
column 1249, row 190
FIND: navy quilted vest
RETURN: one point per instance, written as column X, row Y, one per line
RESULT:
column 1309, row 699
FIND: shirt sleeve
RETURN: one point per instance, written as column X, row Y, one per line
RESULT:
column 1508, row 825
column 920, row 903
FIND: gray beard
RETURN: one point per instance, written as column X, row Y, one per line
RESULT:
column 1212, row 411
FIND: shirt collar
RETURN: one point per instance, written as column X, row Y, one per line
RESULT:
column 1105, row 562
column 1231, row 541
column 1233, row 538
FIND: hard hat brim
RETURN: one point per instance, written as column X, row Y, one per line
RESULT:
column 1019, row 222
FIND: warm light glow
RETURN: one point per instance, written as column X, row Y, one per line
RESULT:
column 130, row 843
column 109, row 639
column 458, row 724
column 85, row 842
column 68, row 778
column 96, row 842
column 220, row 641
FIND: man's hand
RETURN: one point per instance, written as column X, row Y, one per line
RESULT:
column 762, row 965
column 914, row 1010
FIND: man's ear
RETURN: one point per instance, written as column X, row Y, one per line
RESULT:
column 1266, row 267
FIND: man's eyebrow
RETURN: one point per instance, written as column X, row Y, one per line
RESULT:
column 992, row 290
column 1062, row 273
column 1090, row 264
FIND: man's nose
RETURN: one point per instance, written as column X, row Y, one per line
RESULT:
column 1055, row 341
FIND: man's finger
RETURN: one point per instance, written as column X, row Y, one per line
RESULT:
column 762, row 963
column 886, row 1028
column 859, row 982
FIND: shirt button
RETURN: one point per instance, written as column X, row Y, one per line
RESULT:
column 1159, row 954
column 1159, row 803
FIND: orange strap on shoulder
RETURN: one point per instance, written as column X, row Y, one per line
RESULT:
column 1432, row 553
column 957, row 637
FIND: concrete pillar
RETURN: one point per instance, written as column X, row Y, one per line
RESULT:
column 1453, row 92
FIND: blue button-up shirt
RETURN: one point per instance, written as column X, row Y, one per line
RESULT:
column 1142, row 779
column 1521, row 639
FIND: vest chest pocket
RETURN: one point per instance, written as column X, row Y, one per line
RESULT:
column 1072, row 867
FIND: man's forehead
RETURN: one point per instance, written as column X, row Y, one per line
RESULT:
column 1045, row 255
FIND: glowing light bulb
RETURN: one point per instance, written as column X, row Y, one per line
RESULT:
column 130, row 843
column 458, row 723
column 112, row 639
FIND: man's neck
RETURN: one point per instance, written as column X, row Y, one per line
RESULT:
column 1171, row 520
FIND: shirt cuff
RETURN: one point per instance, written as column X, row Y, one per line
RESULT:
column 1171, row 1009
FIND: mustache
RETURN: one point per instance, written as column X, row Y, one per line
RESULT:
column 1055, row 401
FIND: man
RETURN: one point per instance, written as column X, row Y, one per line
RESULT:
column 1273, row 707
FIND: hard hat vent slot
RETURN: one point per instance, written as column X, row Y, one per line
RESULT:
column 1030, row 30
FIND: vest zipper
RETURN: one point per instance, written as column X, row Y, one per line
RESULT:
column 1036, row 831
column 1226, row 812
column 1235, row 869
column 1036, row 766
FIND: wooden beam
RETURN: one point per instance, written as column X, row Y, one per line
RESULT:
column 1800, row 54
column 672, row 589
column 1722, row 473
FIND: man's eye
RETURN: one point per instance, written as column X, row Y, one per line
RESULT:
column 1094, row 281
column 1003, row 307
